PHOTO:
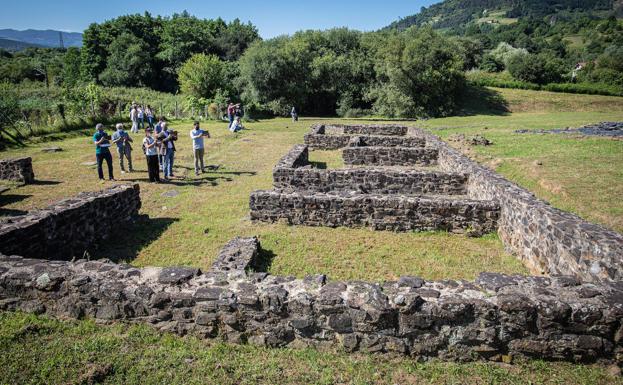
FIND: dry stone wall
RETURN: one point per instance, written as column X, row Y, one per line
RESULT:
column 493, row 318
column 380, row 212
column 70, row 227
column 548, row 240
column 389, row 156
column 343, row 136
column 17, row 169
column 293, row 173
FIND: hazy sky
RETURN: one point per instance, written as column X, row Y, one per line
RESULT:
column 271, row 17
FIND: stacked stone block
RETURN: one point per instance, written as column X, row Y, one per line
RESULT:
column 70, row 227
column 17, row 169
column 495, row 317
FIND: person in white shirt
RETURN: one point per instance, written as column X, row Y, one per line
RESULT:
column 134, row 118
column 197, row 134
column 151, row 153
column 141, row 117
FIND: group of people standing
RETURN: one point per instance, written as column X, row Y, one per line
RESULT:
column 158, row 146
column 139, row 115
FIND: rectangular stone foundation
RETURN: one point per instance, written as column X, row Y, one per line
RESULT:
column 380, row 212
column 390, row 156
column 370, row 180
column 17, row 169
column 70, row 227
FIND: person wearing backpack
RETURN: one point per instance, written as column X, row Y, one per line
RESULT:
column 151, row 154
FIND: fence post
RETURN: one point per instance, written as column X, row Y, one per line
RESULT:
column 205, row 112
column 92, row 108
column 161, row 110
column 192, row 113
column 176, row 111
column 119, row 109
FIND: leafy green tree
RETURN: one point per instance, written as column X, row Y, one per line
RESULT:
column 71, row 67
column 126, row 65
column 419, row 74
column 202, row 76
column 539, row 69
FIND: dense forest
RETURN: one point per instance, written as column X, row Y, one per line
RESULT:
column 417, row 67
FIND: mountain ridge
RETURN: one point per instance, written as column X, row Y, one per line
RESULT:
column 43, row 38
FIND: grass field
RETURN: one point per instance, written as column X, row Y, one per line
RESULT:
column 582, row 175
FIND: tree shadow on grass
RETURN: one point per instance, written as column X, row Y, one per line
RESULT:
column 478, row 100
column 125, row 242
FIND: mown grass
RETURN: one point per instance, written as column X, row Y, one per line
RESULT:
column 40, row 350
column 190, row 228
column 578, row 174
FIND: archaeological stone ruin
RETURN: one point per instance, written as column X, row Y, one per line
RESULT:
column 571, row 309
column 17, row 169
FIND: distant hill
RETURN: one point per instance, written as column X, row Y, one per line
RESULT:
column 42, row 38
column 452, row 14
column 14, row 45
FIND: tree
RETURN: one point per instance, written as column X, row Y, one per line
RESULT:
column 419, row 74
column 127, row 63
column 202, row 76
column 539, row 69
column 71, row 67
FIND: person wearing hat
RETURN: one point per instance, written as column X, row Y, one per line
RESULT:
column 124, row 148
column 102, row 151
column 151, row 153
column 197, row 134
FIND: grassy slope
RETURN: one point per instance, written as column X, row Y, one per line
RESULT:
column 38, row 350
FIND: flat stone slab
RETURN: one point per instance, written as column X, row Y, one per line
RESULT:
column 88, row 164
column 51, row 149
column 170, row 194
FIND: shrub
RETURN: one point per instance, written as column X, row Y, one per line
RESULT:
column 539, row 69
column 202, row 76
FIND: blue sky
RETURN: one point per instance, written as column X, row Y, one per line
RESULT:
column 271, row 17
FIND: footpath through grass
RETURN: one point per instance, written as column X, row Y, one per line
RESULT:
column 39, row 350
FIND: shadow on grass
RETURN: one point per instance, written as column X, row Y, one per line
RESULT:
column 263, row 261
column 319, row 165
column 125, row 242
column 46, row 182
column 7, row 199
column 478, row 100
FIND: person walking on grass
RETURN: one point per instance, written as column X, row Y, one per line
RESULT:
column 167, row 150
column 102, row 151
column 295, row 115
column 197, row 134
column 151, row 154
column 134, row 118
column 124, row 147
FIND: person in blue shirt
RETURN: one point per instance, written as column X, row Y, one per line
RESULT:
column 124, row 148
column 197, row 134
column 102, row 151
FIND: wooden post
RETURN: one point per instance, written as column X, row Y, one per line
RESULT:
column 119, row 109
column 205, row 112
column 176, row 111
column 192, row 113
